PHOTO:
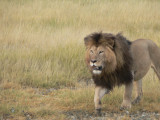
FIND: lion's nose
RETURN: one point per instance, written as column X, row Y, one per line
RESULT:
column 93, row 61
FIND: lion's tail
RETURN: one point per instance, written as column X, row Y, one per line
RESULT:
column 154, row 52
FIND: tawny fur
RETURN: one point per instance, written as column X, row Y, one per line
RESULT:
column 145, row 53
column 123, row 62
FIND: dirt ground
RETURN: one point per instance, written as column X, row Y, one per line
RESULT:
column 139, row 115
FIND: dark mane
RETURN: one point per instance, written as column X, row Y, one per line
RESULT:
column 99, row 38
column 121, row 48
column 119, row 77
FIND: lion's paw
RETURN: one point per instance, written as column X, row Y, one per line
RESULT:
column 125, row 105
column 98, row 112
column 137, row 100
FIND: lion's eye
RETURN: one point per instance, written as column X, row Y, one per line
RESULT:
column 91, row 51
column 100, row 52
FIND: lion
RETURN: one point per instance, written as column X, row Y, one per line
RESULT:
column 114, row 61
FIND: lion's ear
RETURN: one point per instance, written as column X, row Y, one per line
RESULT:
column 111, row 41
column 86, row 40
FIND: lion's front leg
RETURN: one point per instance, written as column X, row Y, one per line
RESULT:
column 126, row 104
column 99, row 93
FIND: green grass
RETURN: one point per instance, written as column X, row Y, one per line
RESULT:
column 41, row 44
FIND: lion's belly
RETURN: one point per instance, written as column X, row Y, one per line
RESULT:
column 141, row 58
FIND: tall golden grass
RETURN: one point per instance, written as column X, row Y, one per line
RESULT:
column 42, row 41
column 41, row 45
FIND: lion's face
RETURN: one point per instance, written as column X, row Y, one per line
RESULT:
column 100, row 58
column 97, row 59
column 100, row 54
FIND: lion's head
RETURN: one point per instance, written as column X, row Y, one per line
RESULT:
column 105, row 52
column 109, row 59
column 100, row 55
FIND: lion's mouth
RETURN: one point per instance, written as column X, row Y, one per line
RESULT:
column 97, row 70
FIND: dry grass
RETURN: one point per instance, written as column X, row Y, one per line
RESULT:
column 41, row 44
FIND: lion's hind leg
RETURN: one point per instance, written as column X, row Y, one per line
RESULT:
column 157, row 71
column 139, row 93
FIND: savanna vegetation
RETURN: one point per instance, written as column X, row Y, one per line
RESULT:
column 42, row 68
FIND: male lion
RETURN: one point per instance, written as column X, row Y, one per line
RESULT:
column 113, row 60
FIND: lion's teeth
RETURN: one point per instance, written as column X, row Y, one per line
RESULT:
column 97, row 72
